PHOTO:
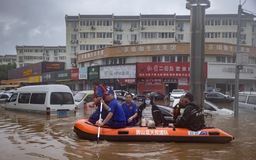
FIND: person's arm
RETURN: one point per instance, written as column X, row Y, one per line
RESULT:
column 104, row 104
column 132, row 117
column 109, row 116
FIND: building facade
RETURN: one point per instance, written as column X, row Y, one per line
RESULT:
column 91, row 32
column 28, row 55
column 5, row 59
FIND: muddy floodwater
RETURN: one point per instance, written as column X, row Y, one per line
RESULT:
column 34, row 136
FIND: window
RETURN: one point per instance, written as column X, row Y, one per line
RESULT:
column 61, row 98
column 119, row 37
column 242, row 98
column 38, row 98
column 14, row 97
column 208, row 107
column 73, row 37
column 220, row 59
column 252, row 100
column 133, row 25
column 156, row 58
column 24, row 98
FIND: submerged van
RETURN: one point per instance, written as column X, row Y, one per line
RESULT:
column 55, row 99
column 83, row 97
column 247, row 101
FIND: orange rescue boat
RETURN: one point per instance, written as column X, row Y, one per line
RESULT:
column 86, row 130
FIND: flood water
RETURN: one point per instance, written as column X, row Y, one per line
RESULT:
column 34, row 136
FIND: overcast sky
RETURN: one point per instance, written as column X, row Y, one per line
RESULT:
column 42, row 22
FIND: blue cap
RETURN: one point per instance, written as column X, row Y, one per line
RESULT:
column 110, row 92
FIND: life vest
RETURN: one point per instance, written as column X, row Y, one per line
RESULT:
column 104, row 92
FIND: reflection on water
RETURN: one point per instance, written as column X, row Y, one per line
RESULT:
column 34, row 136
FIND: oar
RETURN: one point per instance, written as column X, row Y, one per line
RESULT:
column 98, row 136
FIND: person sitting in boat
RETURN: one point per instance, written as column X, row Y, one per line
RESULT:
column 99, row 91
column 130, row 110
column 179, row 108
column 149, row 114
column 116, row 117
column 192, row 118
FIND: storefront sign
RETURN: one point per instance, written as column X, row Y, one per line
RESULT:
column 227, row 71
column 74, row 74
column 163, row 70
column 93, row 73
column 27, row 72
column 131, row 81
column 118, row 71
column 52, row 66
column 63, row 75
column 48, row 77
column 153, row 81
column 83, row 73
column 34, row 79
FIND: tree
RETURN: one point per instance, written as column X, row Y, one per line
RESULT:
column 4, row 70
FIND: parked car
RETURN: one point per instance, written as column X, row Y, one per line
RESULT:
column 247, row 101
column 217, row 97
column 120, row 94
column 156, row 95
column 53, row 99
column 176, row 94
column 166, row 112
column 210, row 108
column 83, row 97
column 4, row 97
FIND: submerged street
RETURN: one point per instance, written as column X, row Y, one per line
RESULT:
column 35, row 136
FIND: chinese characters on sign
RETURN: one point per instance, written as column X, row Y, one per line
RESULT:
column 124, row 71
column 163, row 70
column 161, row 132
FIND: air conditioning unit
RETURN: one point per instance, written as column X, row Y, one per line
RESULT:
column 75, row 29
column 117, row 42
column 131, row 29
column 243, row 42
column 181, row 29
column 93, row 27
column 72, row 41
column 134, row 42
column 143, row 27
column 73, row 65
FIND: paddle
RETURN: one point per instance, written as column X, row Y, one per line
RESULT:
column 98, row 136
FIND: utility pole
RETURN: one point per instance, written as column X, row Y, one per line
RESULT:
column 238, row 49
column 197, row 48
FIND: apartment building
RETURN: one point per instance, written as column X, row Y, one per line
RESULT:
column 27, row 55
column 5, row 59
column 91, row 32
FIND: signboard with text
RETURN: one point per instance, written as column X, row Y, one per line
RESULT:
column 63, row 75
column 83, row 73
column 118, row 71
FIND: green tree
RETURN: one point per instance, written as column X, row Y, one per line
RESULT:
column 4, row 70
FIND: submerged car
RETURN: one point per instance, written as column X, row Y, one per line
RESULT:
column 218, row 97
column 210, row 108
column 156, row 95
column 176, row 94
column 83, row 97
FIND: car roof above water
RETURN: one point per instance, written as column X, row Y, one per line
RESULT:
column 44, row 88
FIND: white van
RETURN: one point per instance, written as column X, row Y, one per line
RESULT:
column 83, row 97
column 55, row 99
column 247, row 101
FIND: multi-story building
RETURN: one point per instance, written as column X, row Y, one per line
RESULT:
column 5, row 59
column 112, row 40
column 91, row 32
column 27, row 55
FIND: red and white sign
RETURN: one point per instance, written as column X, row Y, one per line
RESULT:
column 74, row 74
column 164, row 70
column 128, row 81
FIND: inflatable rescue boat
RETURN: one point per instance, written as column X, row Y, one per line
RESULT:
column 86, row 130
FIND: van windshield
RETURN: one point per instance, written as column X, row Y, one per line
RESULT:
column 61, row 98
column 79, row 96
